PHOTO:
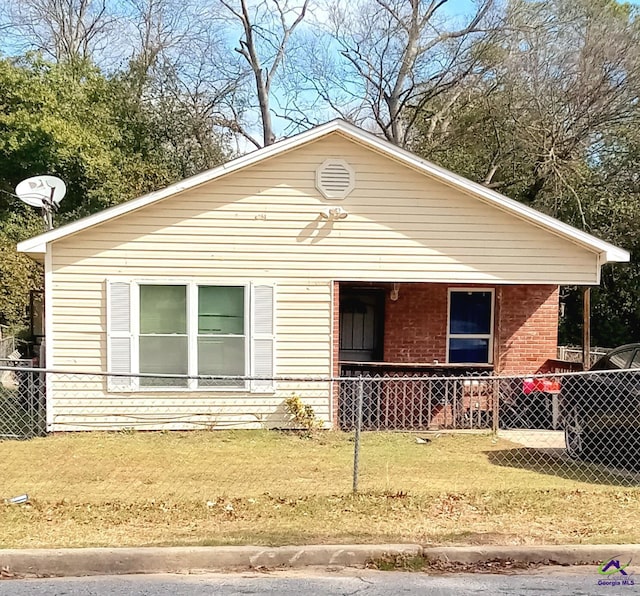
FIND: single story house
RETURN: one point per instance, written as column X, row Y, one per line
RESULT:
column 329, row 253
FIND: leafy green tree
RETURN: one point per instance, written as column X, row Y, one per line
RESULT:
column 106, row 142
column 19, row 275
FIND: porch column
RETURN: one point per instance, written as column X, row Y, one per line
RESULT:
column 586, row 328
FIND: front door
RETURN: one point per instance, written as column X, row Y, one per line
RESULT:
column 361, row 325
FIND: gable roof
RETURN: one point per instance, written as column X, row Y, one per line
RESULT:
column 608, row 252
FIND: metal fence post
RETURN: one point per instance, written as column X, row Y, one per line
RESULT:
column 41, row 404
column 356, row 442
column 495, row 422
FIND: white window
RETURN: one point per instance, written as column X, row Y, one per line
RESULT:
column 470, row 326
column 189, row 329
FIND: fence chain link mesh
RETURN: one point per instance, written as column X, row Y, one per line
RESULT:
column 581, row 426
column 22, row 401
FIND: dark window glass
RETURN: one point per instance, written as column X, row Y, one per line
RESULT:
column 468, row 350
column 470, row 313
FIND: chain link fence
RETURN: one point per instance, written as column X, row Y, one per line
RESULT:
column 418, row 402
column 565, row 428
column 584, row 426
column 22, row 400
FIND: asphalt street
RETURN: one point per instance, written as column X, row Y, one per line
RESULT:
column 344, row 582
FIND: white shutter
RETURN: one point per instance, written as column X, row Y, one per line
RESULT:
column 263, row 337
column 119, row 336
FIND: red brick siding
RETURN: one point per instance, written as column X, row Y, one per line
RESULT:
column 415, row 325
column 527, row 334
column 525, row 326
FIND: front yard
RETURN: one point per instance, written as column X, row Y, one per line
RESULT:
column 267, row 487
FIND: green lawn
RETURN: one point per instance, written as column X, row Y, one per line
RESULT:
column 267, row 487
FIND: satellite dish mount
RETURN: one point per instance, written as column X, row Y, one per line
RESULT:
column 44, row 192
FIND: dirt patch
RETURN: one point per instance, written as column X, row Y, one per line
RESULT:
column 437, row 566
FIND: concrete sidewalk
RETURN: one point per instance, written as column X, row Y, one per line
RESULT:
column 112, row 561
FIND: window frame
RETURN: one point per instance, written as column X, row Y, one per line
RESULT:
column 489, row 336
column 192, row 286
column 136, row 315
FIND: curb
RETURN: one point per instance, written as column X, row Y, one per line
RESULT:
column 120, row 561
column 575, row 554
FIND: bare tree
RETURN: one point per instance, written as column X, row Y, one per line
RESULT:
column 267, row 28
column 66, row 30
column 160, row 26
column 399, row 55
column 570, row 76
column 181, row 78
column 562, row 85
column 577, row 80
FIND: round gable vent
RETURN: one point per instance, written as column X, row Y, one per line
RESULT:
column 335, row 179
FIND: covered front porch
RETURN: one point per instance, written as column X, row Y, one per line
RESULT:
column 429, row 349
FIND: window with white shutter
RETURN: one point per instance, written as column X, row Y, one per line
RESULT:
column 192, row 330
column 263, row 338
column 119, row 336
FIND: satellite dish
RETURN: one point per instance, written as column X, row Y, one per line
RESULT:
column 41, row 191
column 44, row 192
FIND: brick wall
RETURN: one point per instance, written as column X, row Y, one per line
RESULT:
column 526, row 326
column 415, row 325
column 525, row 329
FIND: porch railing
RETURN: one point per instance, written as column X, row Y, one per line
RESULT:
column 416, row 397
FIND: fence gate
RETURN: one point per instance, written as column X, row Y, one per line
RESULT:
column 22, row 400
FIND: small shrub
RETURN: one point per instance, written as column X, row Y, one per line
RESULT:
column 302, row 415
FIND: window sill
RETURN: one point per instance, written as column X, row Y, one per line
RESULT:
column 167, row 390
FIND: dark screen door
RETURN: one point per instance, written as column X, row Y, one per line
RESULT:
column 361, row 325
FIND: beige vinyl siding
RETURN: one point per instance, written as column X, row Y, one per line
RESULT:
column 263, row 223
column 81, row 402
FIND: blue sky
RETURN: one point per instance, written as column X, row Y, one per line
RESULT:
column 454, row 7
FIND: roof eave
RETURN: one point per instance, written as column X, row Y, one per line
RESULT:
column 30, row 247
column 615, row 255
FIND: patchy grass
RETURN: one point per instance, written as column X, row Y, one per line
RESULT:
column 418, row 563
column 266, row 487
